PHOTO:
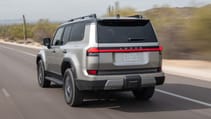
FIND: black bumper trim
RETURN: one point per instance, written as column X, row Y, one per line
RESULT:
column 90, row 85
column 160, row 80
column 130, row 82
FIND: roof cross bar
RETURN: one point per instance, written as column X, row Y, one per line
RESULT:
column 137, row 16
column 83, row 17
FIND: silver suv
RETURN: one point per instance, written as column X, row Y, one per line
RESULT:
column 96, row 54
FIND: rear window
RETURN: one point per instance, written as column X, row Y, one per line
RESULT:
column 77, row 33
column 125, row 31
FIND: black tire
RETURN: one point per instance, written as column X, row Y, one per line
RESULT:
column 41, row 75
column 73, row 96
column 144, row 93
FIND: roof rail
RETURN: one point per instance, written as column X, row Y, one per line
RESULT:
column 88, row 16
column 137, row 16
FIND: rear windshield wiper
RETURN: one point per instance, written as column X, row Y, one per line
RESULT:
column 135, row 39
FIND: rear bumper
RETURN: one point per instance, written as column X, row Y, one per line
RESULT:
column 124, row 82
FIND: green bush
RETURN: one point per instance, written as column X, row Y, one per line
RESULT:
column 43, row 29
column 36, row 31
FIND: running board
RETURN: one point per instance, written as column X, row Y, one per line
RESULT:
column 57, row 81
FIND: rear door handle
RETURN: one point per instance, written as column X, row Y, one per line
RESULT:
column 54, row 51
column 64, row 51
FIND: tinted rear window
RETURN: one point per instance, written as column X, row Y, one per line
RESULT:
column 77, row 33
column 125, row 31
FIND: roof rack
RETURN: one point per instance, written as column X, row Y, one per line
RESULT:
column 88, row 16
column 137, row 16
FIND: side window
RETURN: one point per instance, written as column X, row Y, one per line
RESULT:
column 57, row 37
column 66, row 36
column 77, row 32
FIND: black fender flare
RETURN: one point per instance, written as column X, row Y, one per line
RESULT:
column 68, row 63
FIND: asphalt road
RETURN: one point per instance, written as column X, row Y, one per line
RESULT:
column 22, row 98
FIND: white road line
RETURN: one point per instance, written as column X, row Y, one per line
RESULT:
column 12, row 102
column 20, row 51
column 184, row 98
column 5, row 92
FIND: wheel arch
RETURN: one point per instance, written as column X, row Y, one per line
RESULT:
column 41, row 56
column 68, row 63
column 38, row 58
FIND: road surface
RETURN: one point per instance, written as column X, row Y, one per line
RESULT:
column 22, row 98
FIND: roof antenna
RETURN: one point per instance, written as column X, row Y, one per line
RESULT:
column 118, row 16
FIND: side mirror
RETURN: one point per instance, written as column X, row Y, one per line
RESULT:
column 47, row 42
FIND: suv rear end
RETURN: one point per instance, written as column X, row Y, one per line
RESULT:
column 92, row 54
column 123, row 54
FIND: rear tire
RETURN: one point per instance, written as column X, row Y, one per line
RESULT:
column 41, row 75
column 144, row 93
column 73, row 96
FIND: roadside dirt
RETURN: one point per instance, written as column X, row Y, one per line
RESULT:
column 188, row 63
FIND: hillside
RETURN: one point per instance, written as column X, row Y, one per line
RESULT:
column 175, row 31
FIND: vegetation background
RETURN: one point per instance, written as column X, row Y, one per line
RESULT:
column 185, row 33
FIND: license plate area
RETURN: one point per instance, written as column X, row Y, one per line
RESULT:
column 125, row 59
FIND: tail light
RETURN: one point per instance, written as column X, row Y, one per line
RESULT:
column 92, row 72
column 92, row 52
column 95, row 51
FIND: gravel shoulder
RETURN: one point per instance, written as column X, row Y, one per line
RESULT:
column 196, row 69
